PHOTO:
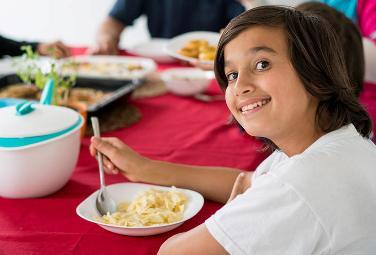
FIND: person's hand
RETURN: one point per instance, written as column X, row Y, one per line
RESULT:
column 118, row 157
column 55, row 49
column 242, row 183
column 106, row 45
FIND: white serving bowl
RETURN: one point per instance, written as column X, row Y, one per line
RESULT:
column 178, row 42
column 38, row 150
column 126, row 192
column 186, row 81
column 154, row 49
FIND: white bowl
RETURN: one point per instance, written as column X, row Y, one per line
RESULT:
column 154, row 49
column 38, row 150
column 186, row 81
column 108, row 67
column 179, row 41
column 125, row 192
column 40, row 169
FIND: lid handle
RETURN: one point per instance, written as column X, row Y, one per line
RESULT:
column 48, row 91
column 24, row 108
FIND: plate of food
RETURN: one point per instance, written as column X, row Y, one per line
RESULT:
column 107, row 67
column 194, row 46
column 143, row 209
column 154, row 49
column 94, row 94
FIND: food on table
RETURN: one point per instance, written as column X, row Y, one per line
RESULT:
column 87, row 96
column 19, row 91
column 151, row 207
column 200, row 49
column 101, row 68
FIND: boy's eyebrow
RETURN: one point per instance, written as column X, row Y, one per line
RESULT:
column 262, row 48
column 257, row 49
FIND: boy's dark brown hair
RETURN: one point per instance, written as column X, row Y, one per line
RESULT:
column 316, row 56
column 349, row 37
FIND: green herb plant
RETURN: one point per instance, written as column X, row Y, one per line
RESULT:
column 31, row 71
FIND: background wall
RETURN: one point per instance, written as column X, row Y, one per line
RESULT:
column 73, row 21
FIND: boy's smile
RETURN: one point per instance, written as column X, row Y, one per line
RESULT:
column 253, row 105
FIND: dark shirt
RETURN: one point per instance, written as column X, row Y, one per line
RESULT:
column 169, row 18
column 13, row 48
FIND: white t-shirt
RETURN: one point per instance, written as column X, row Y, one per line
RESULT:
column 322, row 201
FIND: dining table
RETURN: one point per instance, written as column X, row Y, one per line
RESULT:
column 180, row 129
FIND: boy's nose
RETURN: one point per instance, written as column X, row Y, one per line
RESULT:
column 244, row 86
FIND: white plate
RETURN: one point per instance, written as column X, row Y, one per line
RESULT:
column 123, row 192
column 178, row 42
column 7, row 66
column 110, row 67
column 154, row 49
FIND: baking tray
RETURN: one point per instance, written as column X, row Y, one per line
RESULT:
column 117, row 88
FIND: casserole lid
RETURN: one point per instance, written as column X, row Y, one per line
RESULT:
column 29, row 123
column 41, row 120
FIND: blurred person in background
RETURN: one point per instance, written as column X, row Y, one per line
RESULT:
column 165, row 19
column 350, row 38
column 9, row 47
column 363, row 14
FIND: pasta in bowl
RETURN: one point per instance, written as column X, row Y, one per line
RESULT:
column 143, row 209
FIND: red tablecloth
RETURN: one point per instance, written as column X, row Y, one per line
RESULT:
column 172, row 128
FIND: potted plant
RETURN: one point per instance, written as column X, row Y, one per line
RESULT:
column 33, row 71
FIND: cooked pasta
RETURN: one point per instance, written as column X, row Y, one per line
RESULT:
column 151, row 207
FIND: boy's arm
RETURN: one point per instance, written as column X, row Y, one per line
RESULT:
column 196, row 241
column 214, row 183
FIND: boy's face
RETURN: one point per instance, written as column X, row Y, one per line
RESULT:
column 264, row 92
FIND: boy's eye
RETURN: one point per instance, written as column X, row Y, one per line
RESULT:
column 262, row 65
column 232, row 76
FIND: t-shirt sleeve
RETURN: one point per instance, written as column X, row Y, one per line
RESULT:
column 268, row 163
column 269, row 218
column 11, row 47
column 233, row 9
column 126, row 11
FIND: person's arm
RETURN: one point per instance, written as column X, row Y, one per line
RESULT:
column 122, row 14
column 214, row 183
column 12, row 48
column 195, row 241
column 108, row 37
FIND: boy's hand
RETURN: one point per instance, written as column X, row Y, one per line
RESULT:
column 242, row 183
column 118, row 157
